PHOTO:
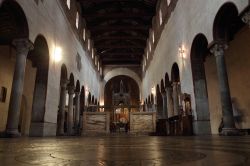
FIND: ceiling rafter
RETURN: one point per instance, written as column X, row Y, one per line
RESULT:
column 119, row 28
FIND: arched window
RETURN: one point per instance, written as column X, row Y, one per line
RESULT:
column 77, row 20
column 147, row 54
column 98, row 66
column 149, row 46
column 169, row 2
column 68, row 3
column 100, row 70
column 89, row 44
column 92, row 53
column 84, row 34
column 96, row 60
column 153, row 36
column 160, row 17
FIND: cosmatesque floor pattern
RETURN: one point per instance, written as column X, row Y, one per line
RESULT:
column 126, row 151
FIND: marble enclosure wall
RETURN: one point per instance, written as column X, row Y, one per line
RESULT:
column 142, row 122
column 96, row 122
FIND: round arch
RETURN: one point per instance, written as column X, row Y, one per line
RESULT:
column 71, row 80
column 16, row 22
column 224, row 23
column 129, row 85
column 199, row 51
column 78, row 86
column 40, row 59
column 175, row 73
column 122, row 71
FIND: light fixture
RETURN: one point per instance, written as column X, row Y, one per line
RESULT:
column 181, row 51
column 149, row 45
column 153, row 90
column 153, row 37
column 101, row 102
column 58, row 54
column 93, row 53
column 86, row 91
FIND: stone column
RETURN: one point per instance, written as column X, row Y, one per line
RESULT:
column 246, row 18
column 175, row 98
column 70, row 119
column 77, row 111
column 62, row 104
column 218, row 51
column 170, row 103
column 22, row 48
column 164, row 105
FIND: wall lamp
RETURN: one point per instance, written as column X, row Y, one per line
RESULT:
column 58, row 54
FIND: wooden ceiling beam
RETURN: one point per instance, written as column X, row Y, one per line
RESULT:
column 99, row 38
column 122, row 54
column 118, row 15
column 119, row 28
column 118, row 46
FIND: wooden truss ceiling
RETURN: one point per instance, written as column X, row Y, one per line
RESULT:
column 119, row 28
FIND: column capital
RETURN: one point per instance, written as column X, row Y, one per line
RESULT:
column 218, row 48
column 246, row 17
column 163, row 94
column 77, row 93
column 175, row 83
column 71, row 89
column 22, row 45
column 64, row 83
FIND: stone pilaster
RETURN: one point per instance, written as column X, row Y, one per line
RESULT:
column 23, row 46
column 218, row 50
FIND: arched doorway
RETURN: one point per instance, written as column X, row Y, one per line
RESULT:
column 231, row 62
column 164, row 100
column 175, row 78
column 199, row 51
column 77, row 108
column 61, row 116
column 89, row 99
column 93, row 100
column 14, row 34
column 121, row 98
column 159, row 103
column 70, row 111
column 169, row 95
column 161, row 121
column 40, row 60
column 82, row 106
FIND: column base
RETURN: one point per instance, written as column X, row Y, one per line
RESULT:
column 230, row 132
column 201, row 127
column 42, row 129
column 12, row 133
column 60, row 134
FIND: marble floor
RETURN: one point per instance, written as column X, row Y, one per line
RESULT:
column 125, row 151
